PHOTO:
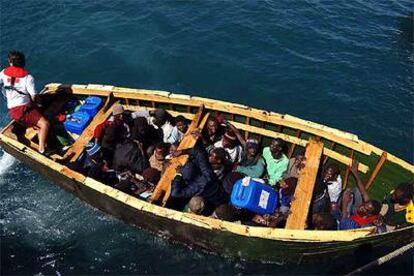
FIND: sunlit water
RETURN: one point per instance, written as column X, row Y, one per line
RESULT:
column 346, row 64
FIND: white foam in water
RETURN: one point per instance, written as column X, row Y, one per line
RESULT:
column 6, row 161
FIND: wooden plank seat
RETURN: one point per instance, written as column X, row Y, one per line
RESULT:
column 304, row 189
column 163, row 188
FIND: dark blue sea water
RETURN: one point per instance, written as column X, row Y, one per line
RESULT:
column 346, row 64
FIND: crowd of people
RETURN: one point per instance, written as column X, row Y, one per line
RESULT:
column 131, row 150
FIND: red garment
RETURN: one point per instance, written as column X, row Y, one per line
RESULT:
column 364, row 221
column 98, row 132
column 16, row 72
column 27, row 115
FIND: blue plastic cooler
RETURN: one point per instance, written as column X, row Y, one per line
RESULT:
column 77, row 122
column 255, row 196
column 91, row 105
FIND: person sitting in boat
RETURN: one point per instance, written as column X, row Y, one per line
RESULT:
column 397, row 207
column 129, row 156
column 173, row 148
column 146, row 134
column 334, row 183
column 99, row 168
column 225, row 212
column 20, row 93
column 160, row 120
column 252, row 164
column 296, row 164
column 212, row 133
column 229, row 181
column 180, row 128
column 196, row 205
column 229, row 143
column 112, row 132
column 328, row 187
column 286, row 192
column 197, row 178
column 324, row 221
column 276, row 160
column 219, row 161
column 157, row 159
column 358, row 210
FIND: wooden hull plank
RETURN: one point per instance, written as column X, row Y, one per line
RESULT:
column 304, row 189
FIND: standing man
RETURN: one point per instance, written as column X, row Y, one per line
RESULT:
column 20, row 92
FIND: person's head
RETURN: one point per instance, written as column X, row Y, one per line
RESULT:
column 151, row 175
column 252, row 147
column 369, row 208
column 224, row 212
column 277, row 147
column 217, row 157
column 181, row 123
column 94, row 151
column 403, row 193
column 160, row 117
column 212, row 125
column 161, row 150
column 288, row 185
column 229, row 140
column 16, row 59
column 117, row 112
column 324, row 221
column 299, row 158
column 140, row 129
column 173, row 148
column 330, row 172
column 196, row 205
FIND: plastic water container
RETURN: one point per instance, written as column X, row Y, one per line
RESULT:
column 91, row 105
column 77, row 122
column 255, row 196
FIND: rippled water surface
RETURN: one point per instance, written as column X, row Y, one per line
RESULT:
column 346, row 64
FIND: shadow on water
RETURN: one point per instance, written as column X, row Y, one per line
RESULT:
column 406, row 27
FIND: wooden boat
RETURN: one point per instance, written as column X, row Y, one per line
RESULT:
column 381, row 172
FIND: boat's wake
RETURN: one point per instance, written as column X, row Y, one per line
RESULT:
column 6, row 162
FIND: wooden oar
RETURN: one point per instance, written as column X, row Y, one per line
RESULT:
column 164, row 185
column 304, row 189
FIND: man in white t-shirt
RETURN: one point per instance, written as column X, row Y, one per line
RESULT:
column 159, row 119
column 229, row 143
column 19, row 90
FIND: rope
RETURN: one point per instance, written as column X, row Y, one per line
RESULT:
column 382, row 259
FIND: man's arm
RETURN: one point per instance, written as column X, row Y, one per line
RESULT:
column 360, row 184
column 237, row 133
column 30, row 86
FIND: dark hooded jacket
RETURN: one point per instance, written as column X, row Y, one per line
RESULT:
column 198, row 179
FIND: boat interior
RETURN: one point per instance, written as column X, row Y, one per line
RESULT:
column 379, row 170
